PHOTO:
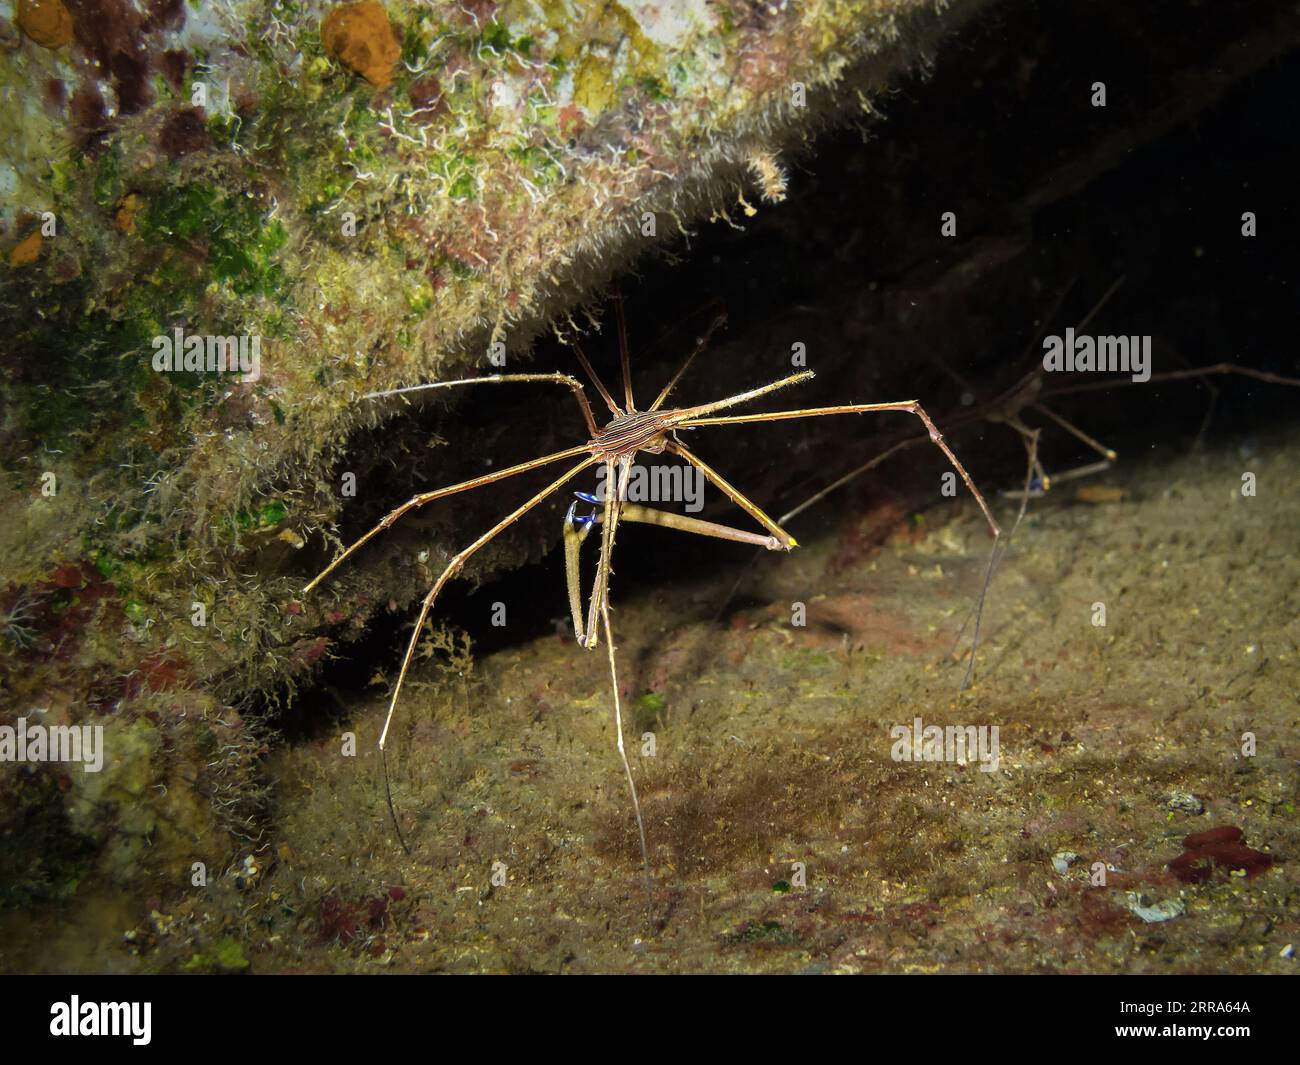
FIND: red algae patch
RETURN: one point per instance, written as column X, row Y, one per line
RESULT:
column 361, row 38
column 1223, row 834
column 1217, row 847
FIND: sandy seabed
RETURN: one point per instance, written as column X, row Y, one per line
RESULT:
column 783, row 835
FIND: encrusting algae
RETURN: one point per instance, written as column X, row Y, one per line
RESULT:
column 361, row 37
column 47, row 22
column 27, row 250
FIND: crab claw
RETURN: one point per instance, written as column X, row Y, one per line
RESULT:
column 587, row 497
column 578, row 521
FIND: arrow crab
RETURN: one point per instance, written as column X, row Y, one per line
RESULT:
column 615, row 446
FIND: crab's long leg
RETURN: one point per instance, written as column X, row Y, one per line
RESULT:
column 454, row 566
column 577, row 529
column 1033, row 468
column 667, row 519
column 909, row 406
column 503, row 378
column 616, row 471
column 595, row 378
column 618, row 729
column 623, row 355
column 700, row 345
column 688, row 415
column 785, row 540
column 616, row 475
column 575, row 533
column 439, row 493
column 870, row 464
column 1101, row 449
column 1173, row 375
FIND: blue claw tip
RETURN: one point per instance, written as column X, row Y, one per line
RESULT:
column 587, row 497
column 585, row 521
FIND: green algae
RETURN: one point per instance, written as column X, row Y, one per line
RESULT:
column 106, row 185
column 226, row 956
column 267, row 516
column 242, row 243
